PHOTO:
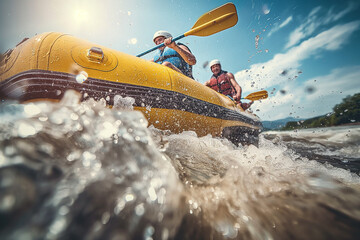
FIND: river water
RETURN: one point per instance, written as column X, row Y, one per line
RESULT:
column 83, row 171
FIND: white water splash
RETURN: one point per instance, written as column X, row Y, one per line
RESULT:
column 104, row 167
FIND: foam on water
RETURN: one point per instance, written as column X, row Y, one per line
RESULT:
column 336, row 145
column 271, row 157
column 327, row 136
column 84, row 167
column 71, row 171
column 261, row 193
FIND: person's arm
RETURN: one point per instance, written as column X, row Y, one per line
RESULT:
column 182, row 50
column 237, row 87
column 207, row 83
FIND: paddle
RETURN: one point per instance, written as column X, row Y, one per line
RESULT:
column 257, row 95
column 216, row 20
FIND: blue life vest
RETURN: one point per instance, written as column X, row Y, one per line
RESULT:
column 173, row 57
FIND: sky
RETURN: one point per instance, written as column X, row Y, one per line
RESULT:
column 304, row 53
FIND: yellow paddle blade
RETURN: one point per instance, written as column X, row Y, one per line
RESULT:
column 257, row 95
column 215, row 21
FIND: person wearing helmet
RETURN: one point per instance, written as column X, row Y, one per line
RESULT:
column 173, row 55
column 224, row 82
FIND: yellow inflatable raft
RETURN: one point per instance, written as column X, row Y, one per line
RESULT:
column 45, row 66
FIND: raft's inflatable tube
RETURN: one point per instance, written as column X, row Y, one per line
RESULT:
column 45, row 66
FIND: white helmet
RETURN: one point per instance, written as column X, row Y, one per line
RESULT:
column 162, row 33
column 213, row 62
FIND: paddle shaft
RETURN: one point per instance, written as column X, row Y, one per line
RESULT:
column 216, row 20
column 160, row 45
column 193, row 31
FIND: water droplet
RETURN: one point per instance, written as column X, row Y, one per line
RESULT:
column 139, row 209
column 74, row 116
column 31, row 110
column 257, row 41
column 310, row 89
column 283, row 72
column 165, row 234
column 149, row 231
column 152, row 194
column 7, row 202
column 119, row 207
column 26, row 130
column 82, row 77
column 107, row 131
column 63, row 210
column 73, row 156
column 129, row 197
column 58, row 226
column 265, row 9
column 43, row 118
column 245, row 218
column 88, row 158
column 105, row 218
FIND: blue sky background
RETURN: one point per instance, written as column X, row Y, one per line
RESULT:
column 306, row 55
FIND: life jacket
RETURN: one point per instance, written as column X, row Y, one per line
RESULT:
column 221, row 83
column 173, row 57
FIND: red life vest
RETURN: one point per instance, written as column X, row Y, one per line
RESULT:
column 222, row 84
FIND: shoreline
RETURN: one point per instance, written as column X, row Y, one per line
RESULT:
column 298, row 129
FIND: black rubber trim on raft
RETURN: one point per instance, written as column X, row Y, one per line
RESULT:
column 37, row 84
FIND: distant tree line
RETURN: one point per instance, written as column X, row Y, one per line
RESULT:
column 348, row 111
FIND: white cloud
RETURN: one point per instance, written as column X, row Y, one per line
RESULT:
column 286, row 22
column 314, row 97
column 331, row 17
column 277, row 27
column 305, row 29
column 339, row 83
column 312, row 22
column 329, row 90
column 284, row 67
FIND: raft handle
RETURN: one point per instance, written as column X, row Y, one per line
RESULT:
column 95, row 54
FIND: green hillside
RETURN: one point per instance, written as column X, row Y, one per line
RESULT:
column 348, row 111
